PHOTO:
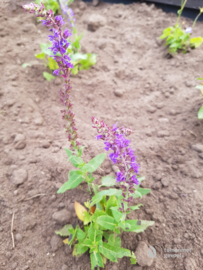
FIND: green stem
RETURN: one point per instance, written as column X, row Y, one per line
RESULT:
column 196, row 19
column 181, row 10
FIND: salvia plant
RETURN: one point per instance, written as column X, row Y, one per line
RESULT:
column 104, row 215
column 200, row 87
column 79, row 60
column 178, row 39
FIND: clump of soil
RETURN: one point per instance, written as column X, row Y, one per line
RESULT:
column 134, row 84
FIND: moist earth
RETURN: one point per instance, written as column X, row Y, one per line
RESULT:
column 134, row 83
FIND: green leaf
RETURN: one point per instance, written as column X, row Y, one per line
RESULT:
column 80, row 151
column 79, row 250
column 108, row 181
column 97, row 214
column 68, row 152
column 48, row 76
column 141, row 192
column 88, row 62
column 76, row 161
column 75, row 178
column 87, row 218
column 138, row 228
column 64, row 231
column 106, row 222
column 52, row 64
column 87, row 243
column 137, row 194
column 114, row 241
column 45, row 48
column 94, row 163
column 96, row 260
column 135, row 207
column 72, row 235
column 200, row 79
column 112, row 252
column 112, row 202
column 196, row 41
column 98, row 197
column 40, row 55
column 133, row 259
column 200, row 87
column 116, row 214
column 80, row 234
column 140, row 179
column 200, row 113
column 26, row 65
column 75, row 70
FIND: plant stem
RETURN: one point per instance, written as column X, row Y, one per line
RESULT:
column 196, row 19
column 181, row 10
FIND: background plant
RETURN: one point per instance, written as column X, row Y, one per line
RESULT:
column 105, row 215
column 49, row 4
column 79, row 60
column 200, row 87
column 178, row 39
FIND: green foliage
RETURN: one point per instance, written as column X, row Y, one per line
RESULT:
column 178, row 39
column 108, row 181
column 74, row 179
column 102, row 220
column 94, row 163
column 196, row 42
column 49, row 4
column 64, row 231
column 48, row 76
column 200, row 112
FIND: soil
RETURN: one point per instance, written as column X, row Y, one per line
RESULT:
column 134, row 83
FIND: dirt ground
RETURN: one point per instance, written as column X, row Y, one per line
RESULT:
column 133, row 83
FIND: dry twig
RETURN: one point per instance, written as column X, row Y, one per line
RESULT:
column 12, row 236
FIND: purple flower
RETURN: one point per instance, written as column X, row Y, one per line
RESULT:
column 120, row 177
column 188, row 30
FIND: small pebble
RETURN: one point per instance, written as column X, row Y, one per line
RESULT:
column 18, row 237
column 15, row 192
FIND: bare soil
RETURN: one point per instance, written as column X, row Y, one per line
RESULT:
column 133, row 83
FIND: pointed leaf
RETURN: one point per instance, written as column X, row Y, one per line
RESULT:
column 141, row 192
column 96, row 260
column 97, row 214
column 80, row 234
column 114, row 241
column 106, row 222
column 79, row 249
column 94, row 163
column 98, row 197
column 200, row 113
column 87, row 218
column 135, row 207
column 48, row 76
column 75, row 178
column 143, row 224
column 108, row 181
column 64, row 231
column 112, row 252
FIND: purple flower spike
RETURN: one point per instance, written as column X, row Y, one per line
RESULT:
column 59, row 47
column 122, row 155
